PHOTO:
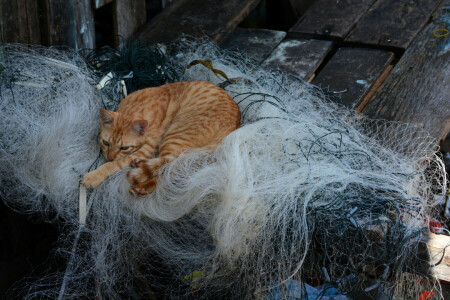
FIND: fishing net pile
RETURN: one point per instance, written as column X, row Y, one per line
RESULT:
column 304, row 194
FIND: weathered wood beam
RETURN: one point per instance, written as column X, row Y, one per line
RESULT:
column 300, row 6
column 256, row 44
column 298, row 57
column 330, row 18
column 19, row 22
column 393, row 23
column 68, row 22
column 85, row 24
column 353, row 72
column 128, row 17
column 198, row 18
column 417, row 90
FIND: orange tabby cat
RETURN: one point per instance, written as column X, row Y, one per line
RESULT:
column 154, row 126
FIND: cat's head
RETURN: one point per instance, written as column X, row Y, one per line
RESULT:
column 120, row 136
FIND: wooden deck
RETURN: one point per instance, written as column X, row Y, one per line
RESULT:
column 388, row 59
column 383, row 56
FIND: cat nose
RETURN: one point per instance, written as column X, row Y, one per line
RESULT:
column 110, row 156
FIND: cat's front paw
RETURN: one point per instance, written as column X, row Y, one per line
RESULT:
column 145, row 171
column 144, row 188
column 138, row 175
column 137, row 162
column 92, row 179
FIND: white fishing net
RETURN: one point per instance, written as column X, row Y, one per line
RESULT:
column 305, row 192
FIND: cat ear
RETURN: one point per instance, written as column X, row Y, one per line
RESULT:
column 107, row 116
column 139, row 127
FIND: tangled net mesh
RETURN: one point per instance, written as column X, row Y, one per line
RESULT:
column 305, row 192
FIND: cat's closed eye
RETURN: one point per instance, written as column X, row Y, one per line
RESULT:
column 124, row 148
column 105, row 143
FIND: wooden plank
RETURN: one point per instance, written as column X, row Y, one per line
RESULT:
column 85, row 24
column 330, row 18
column 298, row 57
column 417, row 90
column 436, row 245
column 300, row 6
column 376, row 85
column 100, row 3
column 9, row 25
column 31, row 9
column 438, row 12
column 61, row 23
column 256, row 44
column 198, row 18
column 68, row 23
column 19, row 22
column 128, row 17
column 393, row 23
column 354, row 71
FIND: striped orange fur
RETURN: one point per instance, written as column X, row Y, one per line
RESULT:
column 154, row 126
